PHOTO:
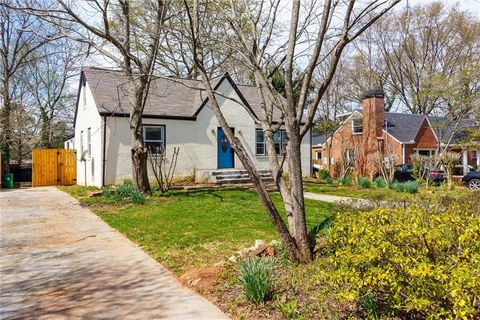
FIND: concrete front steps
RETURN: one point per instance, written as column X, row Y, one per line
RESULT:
column 229, row 176
column 237, row 176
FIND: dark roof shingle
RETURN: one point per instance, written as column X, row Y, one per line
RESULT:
column 403, row 126
column 167, row 98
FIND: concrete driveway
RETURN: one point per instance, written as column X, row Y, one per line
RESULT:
column 61, row 261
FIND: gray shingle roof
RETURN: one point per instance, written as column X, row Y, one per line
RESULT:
column 166, row 98
column 402, row 126
column 405, row 126
column 443, row 129
column 318, row 139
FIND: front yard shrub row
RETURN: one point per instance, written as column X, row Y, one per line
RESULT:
column 345, row 181
column 407, row 187
column 379, row 182
column 323, row 174
column 364, row 183
column 413, row 263
column 126, row 191
column 256, row 276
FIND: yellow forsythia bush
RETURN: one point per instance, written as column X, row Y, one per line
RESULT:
column 415, row 263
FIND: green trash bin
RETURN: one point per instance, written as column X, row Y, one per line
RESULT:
column 8, row 180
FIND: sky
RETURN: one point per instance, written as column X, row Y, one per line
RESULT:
column 472, row 6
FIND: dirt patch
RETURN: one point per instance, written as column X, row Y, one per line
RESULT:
column 201, row 279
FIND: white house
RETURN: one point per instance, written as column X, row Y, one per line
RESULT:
column 175, row 116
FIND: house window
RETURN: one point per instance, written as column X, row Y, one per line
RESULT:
column 89, row 141
column 154, row 137
column 426, row 152
column 350, row 155
column 319, row 155
column 474, row 156
column 357, row 125
column 279, row 140
column 81, row 143
column 260, row 142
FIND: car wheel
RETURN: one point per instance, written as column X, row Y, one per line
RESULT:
column 474, row 184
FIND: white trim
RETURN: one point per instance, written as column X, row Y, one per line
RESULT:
column 431, row 127
column 403, row 153
column 342, row 124
column 465, row 166
column 392, row 136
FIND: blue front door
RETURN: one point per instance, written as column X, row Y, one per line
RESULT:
column 224, row 150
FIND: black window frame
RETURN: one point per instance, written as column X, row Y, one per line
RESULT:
column 163, row 141
column 279, row 146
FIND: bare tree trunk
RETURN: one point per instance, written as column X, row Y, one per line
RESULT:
column 296, row 188
column 6, row 129
column 139, row 151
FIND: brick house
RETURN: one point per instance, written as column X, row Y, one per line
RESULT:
column 370, row 135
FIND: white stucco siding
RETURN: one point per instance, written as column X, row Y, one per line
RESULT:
column 197, row 140
column 89, row 170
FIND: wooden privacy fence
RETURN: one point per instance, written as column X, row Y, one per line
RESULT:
column 54, row 167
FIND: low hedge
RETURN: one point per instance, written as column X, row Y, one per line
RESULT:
column 414, row 263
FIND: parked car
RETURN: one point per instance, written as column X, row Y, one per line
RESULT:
column 472, row 180
column 437, row 176
column 403, row 172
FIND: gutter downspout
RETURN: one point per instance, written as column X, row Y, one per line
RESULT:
column 403, row 153
column 104, row 159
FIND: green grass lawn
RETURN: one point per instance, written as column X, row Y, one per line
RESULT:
column 193, row 228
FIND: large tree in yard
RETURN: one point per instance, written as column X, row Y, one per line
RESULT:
column 19, row 48
column 127, row 34
column 314, row 38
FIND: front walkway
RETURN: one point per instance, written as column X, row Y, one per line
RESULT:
column 61, row 261
column 326, row 197
column 355, row 202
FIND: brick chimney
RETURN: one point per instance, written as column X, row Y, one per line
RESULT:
column 373, row 107
column 373, row 119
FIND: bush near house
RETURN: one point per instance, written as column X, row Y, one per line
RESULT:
column 323, row 174
column 407, row 187
column 126, row 191
column 364, row 183
column 429, row 268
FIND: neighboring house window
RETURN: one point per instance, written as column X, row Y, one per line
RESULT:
column 89, row 141
column 154, row 137
column 474, row 156
column 426, row 152
column 357, row 125
column 319, row 155
column 350, row 155
column 279, row 140
column 81, row 143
